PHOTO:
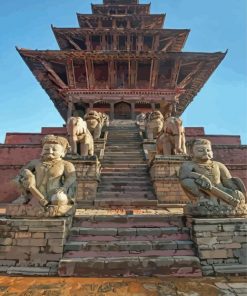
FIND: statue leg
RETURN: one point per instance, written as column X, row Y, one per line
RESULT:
column 97, row 132
column 167, row 147
column 150, row 135
column 192, row 188
column 84, row 149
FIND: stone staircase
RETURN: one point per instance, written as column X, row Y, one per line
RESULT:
column 129, row 244
column 126, row 234
column 124, row 176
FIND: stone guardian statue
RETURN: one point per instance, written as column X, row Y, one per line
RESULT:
column 209, row 184
column 49, row 180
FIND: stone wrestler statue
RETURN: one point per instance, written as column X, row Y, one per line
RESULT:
column 50, row 179
column 208, row 183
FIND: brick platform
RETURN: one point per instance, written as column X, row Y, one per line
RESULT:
column 30, row 246
column 221, row 244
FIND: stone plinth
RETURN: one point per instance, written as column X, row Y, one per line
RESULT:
column 31, row 246
column 164, row 174
column 88, row 174
column 221, row 244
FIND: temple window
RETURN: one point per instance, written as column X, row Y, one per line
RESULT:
column 164, row 76
column 101, row 74
column 122, row 75
column 80, row 74
column 143, row 75
column 96, row 42
column 121, row 24
column 133, row 42
column 122, row 42
column 107, row 23
column 109, row 42
column 147, row 43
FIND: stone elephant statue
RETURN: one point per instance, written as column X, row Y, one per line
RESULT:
column 172, row 140
column 154, row 124
column 79, row 134
column 95, row 123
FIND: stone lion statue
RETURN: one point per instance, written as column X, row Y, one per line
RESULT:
column 172, row 140
column 154, row 124
column 95, row 122
column 79, row 134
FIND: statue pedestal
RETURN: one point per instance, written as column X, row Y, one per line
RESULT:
column 221, row 244
column 88, row 174
column 32, row 246
column 164, row 174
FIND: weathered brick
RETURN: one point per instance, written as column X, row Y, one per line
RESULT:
column 35, row 242
column 23, row 234
column 207, row 254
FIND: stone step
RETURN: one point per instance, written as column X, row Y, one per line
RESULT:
column 103, row 194
column 125, row 179
column 128, row 166
column 124, row 158
column 142, row 225
column 122, row 183
column 176, row 266
column 136, row 246
column 124, row 188
column 119, row 202
column 164, row 237
column 123, row 161
column 125, row 173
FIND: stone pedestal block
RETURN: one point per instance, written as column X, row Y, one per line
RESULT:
column 32, row 246
column 221, row 245
column 164, row 174
column 88, row 174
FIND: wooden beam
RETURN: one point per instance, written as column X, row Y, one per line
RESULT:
column 175, row 73
column 168, row 44
column 90, row 73
column 154, row 73
column 70, row 73
column 53, row 75
column 75, row 45
column 188, row 78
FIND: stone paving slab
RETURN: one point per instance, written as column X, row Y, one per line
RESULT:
column 43, row 286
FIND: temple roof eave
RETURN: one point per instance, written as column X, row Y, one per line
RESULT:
column 62, row 34
column 64, row 54
column 36, row 60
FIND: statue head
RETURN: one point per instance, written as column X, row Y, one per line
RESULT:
column 156, row 115
column 54, row 147
column 200, row 150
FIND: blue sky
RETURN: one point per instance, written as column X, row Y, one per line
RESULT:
column 216, row 25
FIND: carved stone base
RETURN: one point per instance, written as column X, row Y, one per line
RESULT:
column 88, row 174
column 218, row 211
column 38, row 211
column 164, row 174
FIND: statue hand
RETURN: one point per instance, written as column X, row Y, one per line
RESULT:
column 61, row 189
column 204, row 182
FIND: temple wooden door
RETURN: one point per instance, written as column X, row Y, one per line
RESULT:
column 122, row 110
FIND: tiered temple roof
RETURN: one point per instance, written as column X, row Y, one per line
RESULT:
column 120, row 53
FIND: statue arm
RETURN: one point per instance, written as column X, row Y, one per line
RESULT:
column 69, row 175
column 226, row 177
column 186, row 172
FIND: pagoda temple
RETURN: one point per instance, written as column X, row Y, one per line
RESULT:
column 120, row 61
column 123, row 195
